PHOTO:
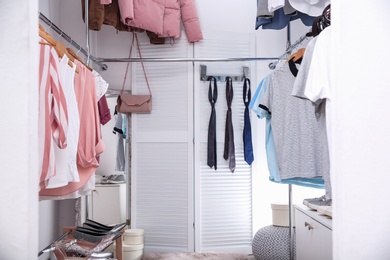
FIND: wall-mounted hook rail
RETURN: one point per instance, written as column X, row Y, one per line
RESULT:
column 205, row 77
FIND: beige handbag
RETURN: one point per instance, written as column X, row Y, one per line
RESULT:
column 128, row 103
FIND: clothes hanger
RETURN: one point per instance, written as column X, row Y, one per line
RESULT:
column 58, row 46
column 75, row 56
column 62, row 50
column 46, row 36
column 61, row 47
column 297, row 55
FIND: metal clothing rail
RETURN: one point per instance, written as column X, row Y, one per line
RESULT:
column 71, row 41
column 180, row 59
column 287, row 52
column 271, row 65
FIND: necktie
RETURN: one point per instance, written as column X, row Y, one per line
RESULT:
column 228, row 152
column 212, row 137
column 247, row 133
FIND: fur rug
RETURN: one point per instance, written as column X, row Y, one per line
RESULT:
column 195, row 256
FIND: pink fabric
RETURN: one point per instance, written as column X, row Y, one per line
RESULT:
column 104, row 110
column 90, row 144
column 105, row 2
column 53, row 114
column 162, row 17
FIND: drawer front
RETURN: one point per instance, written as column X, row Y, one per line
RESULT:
column 313, row 240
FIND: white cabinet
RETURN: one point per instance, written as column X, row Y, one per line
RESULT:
column 313, row 234
column 108, row 204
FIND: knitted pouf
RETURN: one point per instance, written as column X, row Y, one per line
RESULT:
column 273, row 243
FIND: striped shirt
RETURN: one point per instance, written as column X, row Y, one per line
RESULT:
column 53, row 114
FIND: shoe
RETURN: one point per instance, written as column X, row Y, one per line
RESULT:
column 99, row 179
column 96, row 225
column 116, row 178
column 60, row 254
column 315, row 203
column 92, row 235
column 58, row 249
column 86, row 248
column 49, row 248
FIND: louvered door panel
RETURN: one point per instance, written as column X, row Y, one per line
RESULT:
column 161, row 145
column 224, row 199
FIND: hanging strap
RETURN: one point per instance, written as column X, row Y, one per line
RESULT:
column 135, row 36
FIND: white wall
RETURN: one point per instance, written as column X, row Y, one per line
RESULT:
column 361, row 89
column 18, row 143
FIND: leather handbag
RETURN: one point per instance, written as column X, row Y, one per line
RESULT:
column 129, row 103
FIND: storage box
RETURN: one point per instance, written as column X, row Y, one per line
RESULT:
column 133, row 236
column 280, row 215
column 133, row 252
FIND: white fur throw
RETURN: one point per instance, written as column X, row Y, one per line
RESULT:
column 194, row 256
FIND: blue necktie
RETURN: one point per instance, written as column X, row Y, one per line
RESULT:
column 247, row 133
column 212, row 135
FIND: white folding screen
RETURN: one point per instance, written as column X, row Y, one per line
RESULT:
column 182, row 204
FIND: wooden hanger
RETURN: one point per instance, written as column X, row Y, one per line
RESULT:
column 75, row 56
column 58, row 46
column 61, row 47
column 46, row 36
column 297, row 55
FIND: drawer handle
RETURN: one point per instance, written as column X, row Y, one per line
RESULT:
column 309, row 227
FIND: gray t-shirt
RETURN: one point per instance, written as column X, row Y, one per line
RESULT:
column 299, row 143
column 299, row 91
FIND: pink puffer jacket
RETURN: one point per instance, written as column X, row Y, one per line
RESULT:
column 162, row 17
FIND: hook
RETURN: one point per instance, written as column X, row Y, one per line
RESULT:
column 77, row 53
column 60, row 35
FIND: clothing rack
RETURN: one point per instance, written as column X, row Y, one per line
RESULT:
column 71, row 41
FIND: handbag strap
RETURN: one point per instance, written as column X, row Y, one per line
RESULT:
column 135, row 36
column 142, row 63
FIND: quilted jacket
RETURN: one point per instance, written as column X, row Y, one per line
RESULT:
column 99, row 14
column 162, row 17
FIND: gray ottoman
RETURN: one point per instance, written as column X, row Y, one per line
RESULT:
column 273, row 243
